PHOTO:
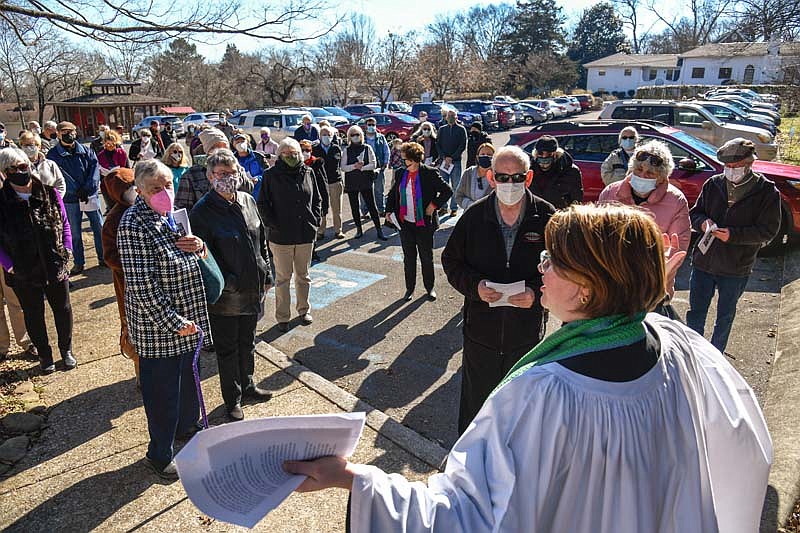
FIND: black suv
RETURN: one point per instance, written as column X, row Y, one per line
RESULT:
column 486, row 109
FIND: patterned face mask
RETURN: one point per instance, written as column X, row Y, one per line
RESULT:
column 226, row 184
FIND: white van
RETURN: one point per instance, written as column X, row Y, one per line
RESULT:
column 281, row 122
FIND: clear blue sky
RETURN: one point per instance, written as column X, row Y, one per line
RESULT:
column 404, row 15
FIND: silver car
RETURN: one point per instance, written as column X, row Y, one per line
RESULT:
column 281, row 122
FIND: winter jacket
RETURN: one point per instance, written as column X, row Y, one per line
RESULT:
column 50, row 174
column 163, row 286
column 109, row 160
column 300, row 134
column 168, row 137
column 35, row 237
column 254, row 165
column 474, row 140
column 434, row 191
column 381, row 149
column 615, row 166
column 194, row 184
column 333, row 158
column 476, row 251
column 318, row 167
column 560, row 184
column 666, row 203
column 753, row 221
column 466, row 194
column 136, row 149
column 236, row 236
column 290, row 204
column 431, row 151
column 80, row 170
column 355, row 179
column 452, row 141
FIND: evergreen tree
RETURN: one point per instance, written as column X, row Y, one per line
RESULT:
column 599, row 33
column 536, row 28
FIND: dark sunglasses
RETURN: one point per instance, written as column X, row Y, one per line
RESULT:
column 655, row 160
column 22, row 167
column 629, row 138
column 514, row 178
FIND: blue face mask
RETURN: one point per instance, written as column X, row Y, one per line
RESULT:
column 642, row 186
column 628, row 144
column 370, row 129
column 544, row 162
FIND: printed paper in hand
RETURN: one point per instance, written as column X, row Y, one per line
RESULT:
column 707, row 239
column 393, row 220
column 428, row 161
column 506, row 289
column 182, row 221
column 234, row 472
column 445, row 168
column 92, row 205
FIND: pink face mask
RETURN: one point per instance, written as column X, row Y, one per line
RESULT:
column 161, row 202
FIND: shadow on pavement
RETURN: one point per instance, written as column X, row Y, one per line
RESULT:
column 89, row 502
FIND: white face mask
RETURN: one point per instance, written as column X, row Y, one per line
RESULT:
column 735, row 175
column 510, row 193
column 643, row 186
column 306, row 155
column 426, row 133
column 242, row 146
column 145, row 139
column 325, row 139
column 31, row 151
column 129, row 196
column 176, row 157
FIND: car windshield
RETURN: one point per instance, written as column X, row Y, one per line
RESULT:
column 319, row 112
column 294, row 119
column 408, row 119
column 699, row 145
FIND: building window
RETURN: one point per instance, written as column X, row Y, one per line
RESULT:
column 652, row 74
column 672, row 74
column 601, row 72
column 627, row 72
column 749, row 72
column 724, row 73
column 698, row 72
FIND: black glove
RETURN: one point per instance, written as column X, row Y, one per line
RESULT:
column 83, row 195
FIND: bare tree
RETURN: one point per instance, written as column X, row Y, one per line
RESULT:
column 279, row 73
column 12, row 65
column 153, row 20
column 52, row 61
column 481, row 29
column 340, row 60
column 767, row 19
column 699, row 27
column 628, row 11
column 442, row 59
column 389, row 63
column 129, row 59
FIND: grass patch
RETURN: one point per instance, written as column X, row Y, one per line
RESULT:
column 789, row 149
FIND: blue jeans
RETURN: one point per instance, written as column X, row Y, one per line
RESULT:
column 701, row 291
column 453, row 179
column 170, row 402
column 377, row 188
column 75, row 217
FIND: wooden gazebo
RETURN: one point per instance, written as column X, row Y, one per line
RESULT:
column 110, row 101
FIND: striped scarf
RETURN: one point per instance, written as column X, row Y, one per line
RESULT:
column 578, row 338
column 416, row 192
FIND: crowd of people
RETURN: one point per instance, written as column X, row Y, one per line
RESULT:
column 529, row 406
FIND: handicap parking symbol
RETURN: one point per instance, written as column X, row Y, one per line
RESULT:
column 330, row 283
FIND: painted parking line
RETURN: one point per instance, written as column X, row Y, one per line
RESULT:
column 330, row 283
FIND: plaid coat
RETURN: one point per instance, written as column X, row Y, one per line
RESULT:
column 163, row 286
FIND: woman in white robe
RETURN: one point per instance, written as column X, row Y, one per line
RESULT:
column 616, row 422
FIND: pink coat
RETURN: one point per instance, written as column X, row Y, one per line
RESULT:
column 666, row 203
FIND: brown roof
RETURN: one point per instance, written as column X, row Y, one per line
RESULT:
column 622, row 59
column 742, row 50
column 96, row 100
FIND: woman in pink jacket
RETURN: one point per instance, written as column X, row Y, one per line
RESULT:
column 647, row 185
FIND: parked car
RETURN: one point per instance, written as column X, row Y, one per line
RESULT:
column 196, row 119
column 360, row 110
column 532, row 114
column 728, row 113
column 391, row 125
column 745, row 106
column 281, row 122
column 436, row 111
column 144, row 124
column 341, row 112
column 748, row 94
column 585, row 100
column 319, row 113
column 543, row 105
column 393, row 107
column 505, row 99
column 573, row 106
column 559, row 110
column 590, row 142
column 506, row 117
column 484, row 108
column 694, row 120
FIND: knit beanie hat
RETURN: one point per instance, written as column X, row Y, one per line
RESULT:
column 210, row 137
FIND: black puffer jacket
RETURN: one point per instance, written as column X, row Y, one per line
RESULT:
column 752, row 221
column 476, row 251
column 35, row 235
column 290, row 204
column 332, row 158
column 560, row 184
column 234, row 233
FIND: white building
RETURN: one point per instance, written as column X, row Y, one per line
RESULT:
column 711, row 64
column 626, row 72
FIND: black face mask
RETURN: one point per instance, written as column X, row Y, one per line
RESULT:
column 19, row 179
column 68, row 138
column 53, row 136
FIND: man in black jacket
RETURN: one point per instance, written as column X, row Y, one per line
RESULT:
column 499, row 239
column 229, row 224
column 331, row 153
column 451, row 143
column 476, row 138
column 555, row 178
column 291, row 207
column 740, row 210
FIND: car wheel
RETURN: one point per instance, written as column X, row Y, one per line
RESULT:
column 391, row 136
column 529, row 120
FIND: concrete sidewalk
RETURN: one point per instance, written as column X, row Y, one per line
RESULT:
column 86, row 471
